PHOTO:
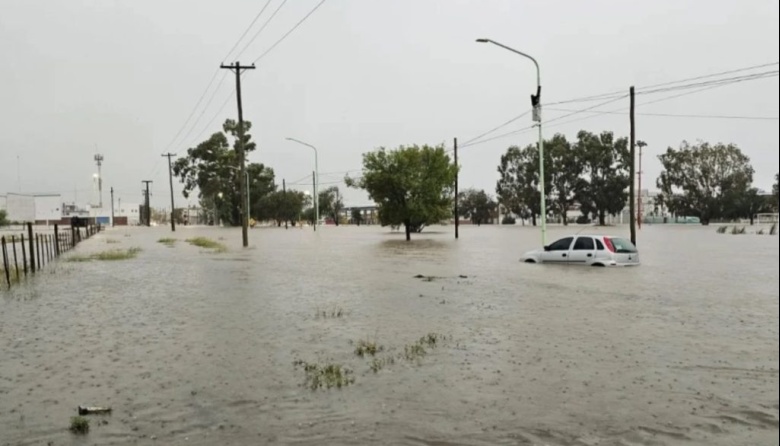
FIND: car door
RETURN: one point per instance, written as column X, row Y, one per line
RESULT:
column 583, row 251
column 557, row 252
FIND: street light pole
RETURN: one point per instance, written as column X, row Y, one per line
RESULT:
column 316, row 181
column 537, row 115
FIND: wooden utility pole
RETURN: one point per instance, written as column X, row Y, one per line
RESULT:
column 284, row 201
column 457, row 214
column 170, row 180
column 237, row 69
column 146, row 203
column 112, row 207
column 631, row 170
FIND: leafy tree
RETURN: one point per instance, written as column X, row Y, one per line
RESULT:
column 702, row 180
column 357, row 216
column 565, row 170
column 210, row 168
column 330, row 203
column 284, row 206
column 746, row 204
column 517, row 187
column 602, row 190
column 411, row 185
column 3, row 218
column 476, row 205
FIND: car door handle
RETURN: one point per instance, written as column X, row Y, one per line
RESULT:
column 563, row 255
column 590, row 255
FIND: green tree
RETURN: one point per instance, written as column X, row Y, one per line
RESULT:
column 331, row 204
column 746, row 204
column 357, row 216
column 602, row 189
column 3, row 218
column 411, row 185
column 564, row 167
column 476, row 205
column 702, row 180
column 284, row 206
column 518, row 185
column 211, row 169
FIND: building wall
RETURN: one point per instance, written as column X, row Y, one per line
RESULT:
column 20, row 207
column 48, row 208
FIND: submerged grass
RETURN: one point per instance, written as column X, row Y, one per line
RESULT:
column 366, row 347
column 111, row 255
column 722, row 229
column 420, row 348
column 773, row 229
column 207, row 243
column 79, row 425
column 167, row 241
column 325, row 375
column 112, row 241
column 332, row 313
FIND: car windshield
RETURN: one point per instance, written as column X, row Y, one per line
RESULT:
column 623, row 246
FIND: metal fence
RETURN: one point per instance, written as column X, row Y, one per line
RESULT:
column 25, row 254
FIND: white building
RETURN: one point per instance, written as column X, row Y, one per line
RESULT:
column 37, row 208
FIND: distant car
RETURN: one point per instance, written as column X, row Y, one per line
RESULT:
column 590, row 250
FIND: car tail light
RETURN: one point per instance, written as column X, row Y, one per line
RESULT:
column 608, row 244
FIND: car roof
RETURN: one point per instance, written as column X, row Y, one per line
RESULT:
column 592, row 235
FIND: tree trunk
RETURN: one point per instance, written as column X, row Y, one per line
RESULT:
column 751, row 218
column 408, row 227
column 533, row 219
column 602, row 218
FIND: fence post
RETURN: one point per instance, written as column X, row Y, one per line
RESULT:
column 38, row 251
column 16, row 263
column 32, row 247
column 24, row 256
column 56, row 240
column 5, row 262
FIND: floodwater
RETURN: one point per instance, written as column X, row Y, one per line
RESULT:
column 191, row 347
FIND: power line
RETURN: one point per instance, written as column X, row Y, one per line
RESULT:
column 725, row 81
column 754, row 67
column 262, row 27
column 704, row 86
column 620, row 92
column 673, row 115
column 290, row 31
column 498, row 127
column 247, row 30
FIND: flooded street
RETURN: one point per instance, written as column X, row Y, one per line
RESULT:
column 194, row 347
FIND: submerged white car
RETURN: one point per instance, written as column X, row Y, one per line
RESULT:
column 590, row 250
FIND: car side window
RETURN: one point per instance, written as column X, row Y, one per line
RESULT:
column 599, row 245
column 562, row 244
column 584, row 244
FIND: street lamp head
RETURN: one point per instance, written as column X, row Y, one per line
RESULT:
column 483, row 40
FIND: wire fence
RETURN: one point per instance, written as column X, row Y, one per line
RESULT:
column 25, row 254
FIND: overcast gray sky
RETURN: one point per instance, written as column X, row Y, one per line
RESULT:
column 121, row 77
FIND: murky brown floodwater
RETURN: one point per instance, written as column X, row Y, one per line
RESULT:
column 197, row 348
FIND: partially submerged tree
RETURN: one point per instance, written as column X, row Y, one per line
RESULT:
column 412, row 186
column 210, row 168
column 476, row 206
column 602, row 188
column 357, row 216
column 330, row 203
column 518, row 185
column 701, row 180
